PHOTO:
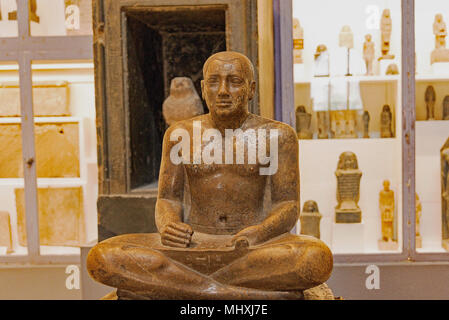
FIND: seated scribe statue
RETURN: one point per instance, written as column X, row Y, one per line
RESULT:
column 223, row 218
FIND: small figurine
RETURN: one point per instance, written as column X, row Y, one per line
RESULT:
column 346, row 40
column 368, row 54
column 298, row 42
column 343, row 124
column 321, row 61
column 418, row 238
column 303, row 121
column 386, row 119
column 310, row 219
column 348, row 189
column 183, row 102
column 440, row 53
column 323, row 124
column 386, row 205
column 445, row 193
column 446, row 108
column 430, row 97
column 366, row 118
column 385, row 29
column 392, row 69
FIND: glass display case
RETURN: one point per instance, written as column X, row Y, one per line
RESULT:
column 49, row 172
column 353, row 106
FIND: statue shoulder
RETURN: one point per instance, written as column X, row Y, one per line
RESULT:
column 285, row 131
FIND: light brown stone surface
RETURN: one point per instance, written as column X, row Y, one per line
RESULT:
column 61, row 216
column 48, row 100
column 57, row 150
column 5, row 231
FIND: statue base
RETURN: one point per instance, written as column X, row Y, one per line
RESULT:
column 348, row 216
column 418, row 242
column 440, row 68
column 348, row 238
column 446, row 244
column 387, row 245
column 439, row 55
column 321, row 292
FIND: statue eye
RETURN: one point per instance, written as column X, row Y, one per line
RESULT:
column 236, row 80
column 212, row 80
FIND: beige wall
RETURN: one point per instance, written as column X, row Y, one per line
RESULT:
column 35, row 283
column 266, row 58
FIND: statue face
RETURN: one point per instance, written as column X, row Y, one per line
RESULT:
column 226, row 87
column 348, row 160
column 368, row 37
column 310, row 206
column 386, row 185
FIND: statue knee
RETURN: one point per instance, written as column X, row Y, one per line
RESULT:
column 315, row 264
column 97, row 263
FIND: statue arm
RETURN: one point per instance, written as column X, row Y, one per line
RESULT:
column 169, row 205
column 284, row 193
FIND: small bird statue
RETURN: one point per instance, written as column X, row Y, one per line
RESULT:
column 183, row 102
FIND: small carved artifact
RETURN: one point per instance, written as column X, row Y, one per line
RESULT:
column 392, row 70
column 226, row 244
column 418, row 238
column 303, row 121
column 385, row 33
column 430, row 97
column 440, row 53
column 310, row 219
column 343, row 124
column 348, row 189
column 368, row 54
column 386, row 119
column 321, row 61
column 446, row 108
column 366, row 118
column 298, row 42
column 323, row 124
column 445, row 193
column 183, row 102
column 5, row 231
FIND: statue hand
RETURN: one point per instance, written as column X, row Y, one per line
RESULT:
column 250, row 235
column 177, row 234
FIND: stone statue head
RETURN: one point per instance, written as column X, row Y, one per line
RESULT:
column 310, row 206
column 301, row 109
column 386, row 185
column 368, row 37
column 386, row 108
column 438, row 18
column 386, row 13
column 319, row 50
column 181, row 86
column 348, row 161
column 228, row 83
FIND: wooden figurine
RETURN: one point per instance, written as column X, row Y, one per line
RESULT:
column 430, row 97
column 368, row 54
column 418, row 212
column 445, row 193
column 386, row 206
column 440, row 53
column 386, row 119
column 303, row 121
column 310, row 219
column 366, row 119
column 446, row 108
column 348, row 189
column 385, row 32
column 298, row 42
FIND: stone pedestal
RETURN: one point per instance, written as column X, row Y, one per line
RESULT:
column 348, row 238
column 387, row 245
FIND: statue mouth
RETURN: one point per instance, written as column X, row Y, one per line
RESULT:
column 224, row 104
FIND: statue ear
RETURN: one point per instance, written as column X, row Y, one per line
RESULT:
column 252, row 90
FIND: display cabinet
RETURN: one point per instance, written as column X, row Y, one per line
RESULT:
column 48, row 174
column 346, row 82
